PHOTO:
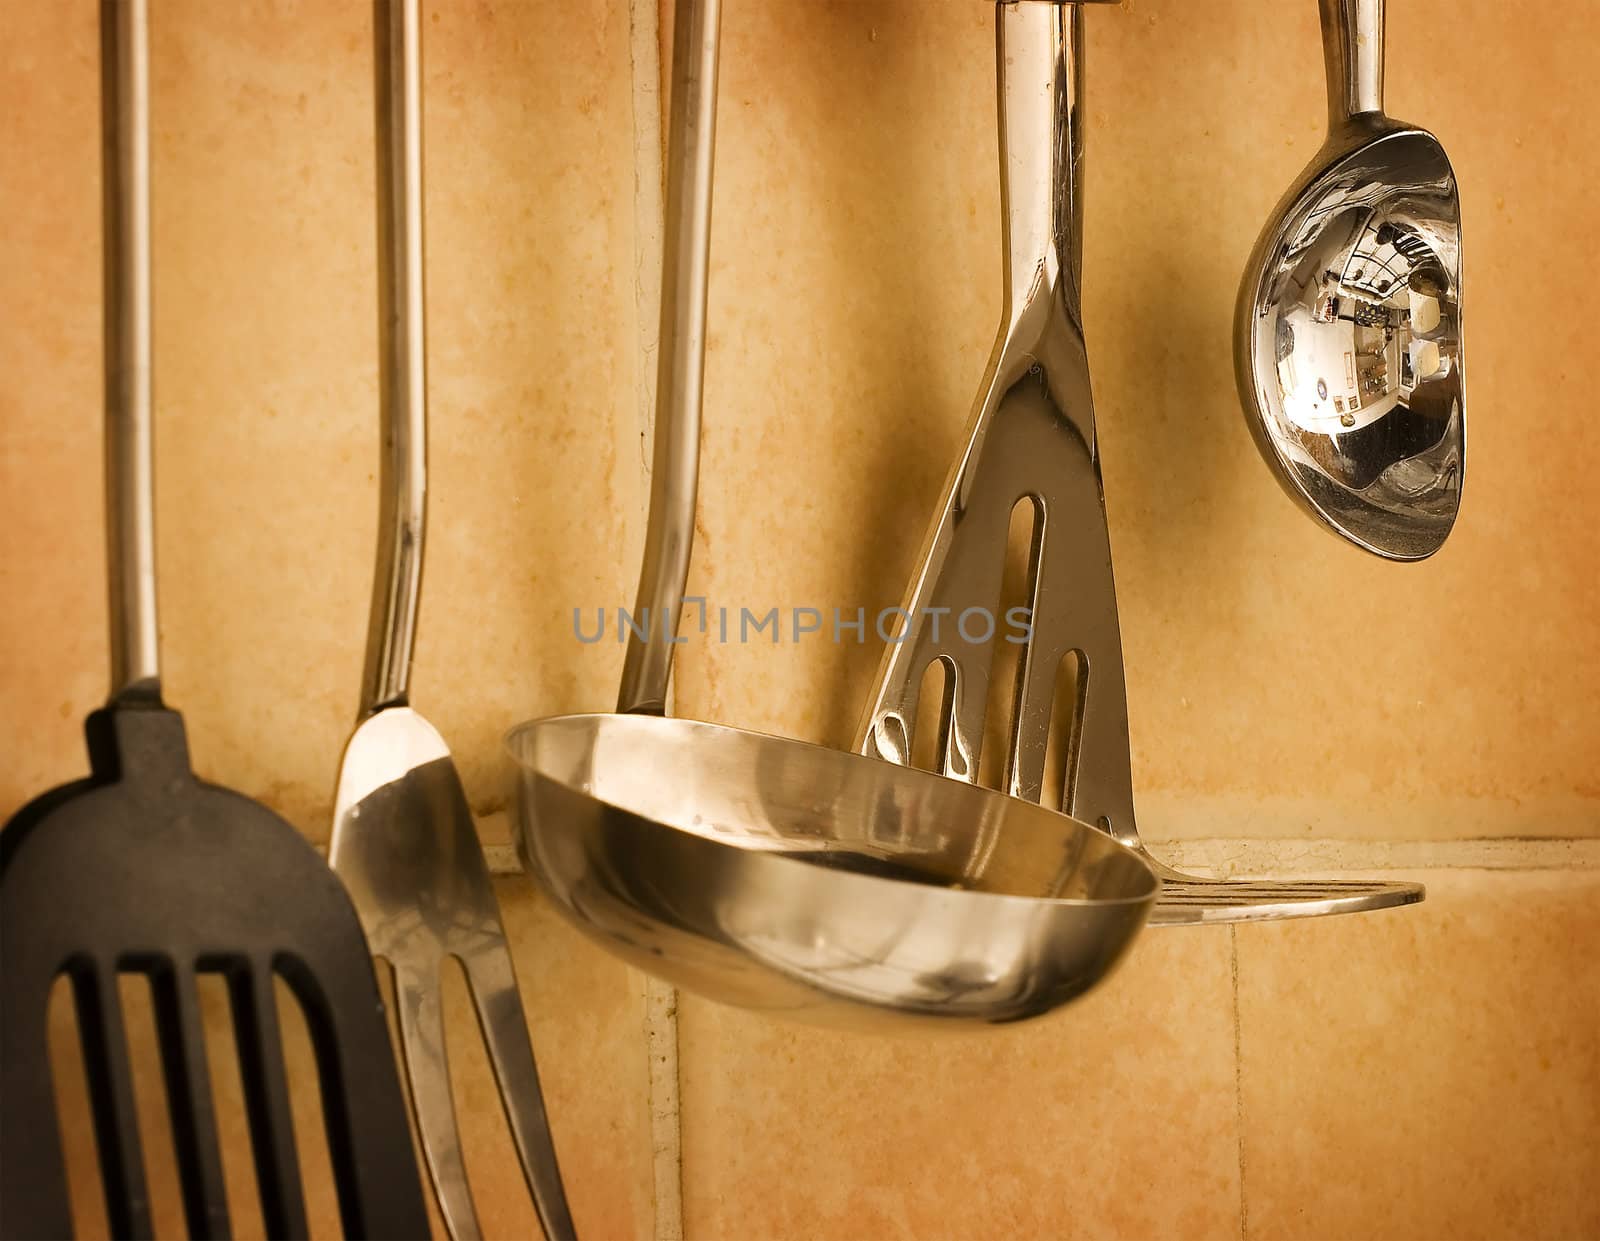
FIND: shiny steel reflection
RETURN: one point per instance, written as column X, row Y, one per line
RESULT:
column 818, row 884
column 1032, row 438
column 1348, row 336
column 769, row 873
column 403, row 838
column 680, row 371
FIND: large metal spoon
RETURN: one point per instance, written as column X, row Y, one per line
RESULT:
column 1347, row 339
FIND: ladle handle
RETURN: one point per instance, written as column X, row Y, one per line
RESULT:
column 402, row 371
column 1352, row 48
column 130, row 449
column 669, row 537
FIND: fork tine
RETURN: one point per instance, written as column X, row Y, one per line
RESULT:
column 194, row 1132
column 417, row 1007
column 105, row 1065
column 493, row 982
column 266, row 1092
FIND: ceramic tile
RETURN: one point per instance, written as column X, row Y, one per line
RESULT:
column 851, row 309
column 1280, row 682
column 1431, row 1072
column 53, row 626
column 1307, row 672
column 1115, row 1117
column 585, row 1017
column 266, row 378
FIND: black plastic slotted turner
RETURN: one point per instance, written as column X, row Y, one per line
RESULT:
column 142, row 868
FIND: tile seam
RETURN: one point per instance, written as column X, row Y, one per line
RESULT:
column 660, row 1016
column 1238, row 1080
column 1232, row 857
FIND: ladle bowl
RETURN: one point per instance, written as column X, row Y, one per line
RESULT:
column 1348, row 335
column 821, row 885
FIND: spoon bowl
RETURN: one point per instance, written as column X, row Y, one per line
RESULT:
column 1348, row 338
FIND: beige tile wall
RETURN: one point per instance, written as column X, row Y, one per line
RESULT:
column 1432, row 1072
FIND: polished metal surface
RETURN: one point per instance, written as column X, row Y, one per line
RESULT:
column 1032, row 440
column 681, row 353
column 405, row 846
column 130, row 457
column 1348, row 334
column 402, row 344
column 818, row 884
column 773, row 874
column 403, row 838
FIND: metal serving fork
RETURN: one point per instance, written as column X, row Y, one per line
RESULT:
column 403, row 837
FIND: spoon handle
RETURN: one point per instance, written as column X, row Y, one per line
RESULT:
column 1352, row 47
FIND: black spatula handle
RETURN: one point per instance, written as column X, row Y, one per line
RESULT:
column 130, row 459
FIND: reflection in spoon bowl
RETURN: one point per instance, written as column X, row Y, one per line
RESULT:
column 1348, row 339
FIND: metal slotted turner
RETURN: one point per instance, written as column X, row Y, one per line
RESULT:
column 144, row 869
column 403, row 837
column 1032, row 439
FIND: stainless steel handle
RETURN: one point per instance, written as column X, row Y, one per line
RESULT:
column 669, row 538
column 1352, row 48
column 130, row 448
column 1041, row 98
column 403, row 374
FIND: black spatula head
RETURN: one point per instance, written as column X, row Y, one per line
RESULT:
column 143, row 868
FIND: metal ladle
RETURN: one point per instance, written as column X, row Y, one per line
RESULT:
column 770, row 873
column 1347, row 340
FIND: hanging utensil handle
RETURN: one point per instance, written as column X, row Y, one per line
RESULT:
column 1352, row 48
column 403, row 374
column 1041, row 97
column 669, row 537
column 130, row 449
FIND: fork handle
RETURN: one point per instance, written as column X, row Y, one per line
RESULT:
column 402, row 372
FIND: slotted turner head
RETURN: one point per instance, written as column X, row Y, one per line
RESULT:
column 403, row 838
column 142, row 868
column 1032, row 439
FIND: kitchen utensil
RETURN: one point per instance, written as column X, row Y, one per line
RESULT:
column 1032, row 438
column 403, row 837
column 141, row 868
column 767, row 872
column 1348, row 333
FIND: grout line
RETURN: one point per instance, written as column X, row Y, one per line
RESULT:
column 666, row 1133
column 1230, row 858
column 1238, row 1079
column 649, row 221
